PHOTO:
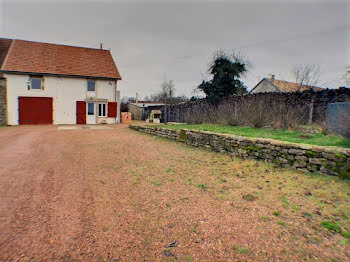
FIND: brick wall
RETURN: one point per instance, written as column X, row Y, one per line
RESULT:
column 2, row 101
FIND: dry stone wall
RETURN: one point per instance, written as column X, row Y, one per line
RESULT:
column 327, row 160
column 2, row 101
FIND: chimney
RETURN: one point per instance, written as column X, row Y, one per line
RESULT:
column 101, row 46
column 272, row 78
column 137, row 98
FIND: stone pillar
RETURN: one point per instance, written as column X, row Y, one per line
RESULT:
column 3, row 106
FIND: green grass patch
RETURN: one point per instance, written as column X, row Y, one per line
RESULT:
column 241, row 250
column 295, row 208
column 346, row 234
column 202, row 186
column 284, row 201
column 281, row 223
column 276, row 213
column 331, row 226
column 265, row 218
column 277, row 134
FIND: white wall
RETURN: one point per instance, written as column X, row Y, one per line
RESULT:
column 64, row 91
column 264, row 87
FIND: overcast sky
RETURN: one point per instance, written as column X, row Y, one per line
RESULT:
column 156, row 40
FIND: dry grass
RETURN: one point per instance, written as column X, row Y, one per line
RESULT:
column 119, row 194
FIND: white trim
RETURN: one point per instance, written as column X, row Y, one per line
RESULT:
column 36, row 89
column 106, row 109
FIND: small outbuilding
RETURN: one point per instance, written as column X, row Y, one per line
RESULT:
column 139, row 110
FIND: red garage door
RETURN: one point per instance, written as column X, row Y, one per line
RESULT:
column 35, row 110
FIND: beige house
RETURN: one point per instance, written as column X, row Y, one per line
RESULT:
column 271, row 84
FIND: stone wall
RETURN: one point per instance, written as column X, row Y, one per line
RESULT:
column 3, row 101
column 327, row 160
column 320, row 100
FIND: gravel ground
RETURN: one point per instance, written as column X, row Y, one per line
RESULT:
column 119, row 195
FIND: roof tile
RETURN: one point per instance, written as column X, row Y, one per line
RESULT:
column 45, row 58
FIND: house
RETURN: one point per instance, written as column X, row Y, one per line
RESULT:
column 139, row 110
column 44, row 83
column 271, row 84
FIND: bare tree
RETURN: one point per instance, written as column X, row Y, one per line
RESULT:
column 166, row 93
column 305, row 75
column 346, row 77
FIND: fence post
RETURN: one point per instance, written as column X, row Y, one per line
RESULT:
column 311, row 111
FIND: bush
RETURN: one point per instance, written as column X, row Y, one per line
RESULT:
column 249, row 111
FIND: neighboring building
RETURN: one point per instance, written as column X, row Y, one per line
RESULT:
column 271, row 84
column 139, row 110
column 57, row 84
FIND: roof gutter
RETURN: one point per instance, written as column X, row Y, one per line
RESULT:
column 60, row 75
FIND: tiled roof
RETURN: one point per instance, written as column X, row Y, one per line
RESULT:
column 43, row 58
column 4, row 47
column 292, row 87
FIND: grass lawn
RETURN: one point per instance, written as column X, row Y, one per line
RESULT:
column 278, row 134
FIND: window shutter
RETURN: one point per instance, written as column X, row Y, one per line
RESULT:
column 43, row 84
column 112, row 109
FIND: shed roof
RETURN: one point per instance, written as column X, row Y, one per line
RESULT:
column 146, row 104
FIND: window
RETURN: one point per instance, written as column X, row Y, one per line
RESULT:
column 91, row 109
column 35, row 83
column 91, row 85
column 102, row 109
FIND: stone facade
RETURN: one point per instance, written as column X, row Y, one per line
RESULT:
column 327, row 160
column 3, row 113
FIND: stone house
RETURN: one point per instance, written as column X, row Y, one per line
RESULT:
column 44, row 83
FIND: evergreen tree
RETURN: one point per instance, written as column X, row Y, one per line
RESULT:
column 227, row 71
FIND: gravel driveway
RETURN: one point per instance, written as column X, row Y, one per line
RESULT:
column 118, row 195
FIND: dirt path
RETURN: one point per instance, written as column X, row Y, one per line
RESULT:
column 118, row 195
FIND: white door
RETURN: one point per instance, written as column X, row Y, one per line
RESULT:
column 91, row 113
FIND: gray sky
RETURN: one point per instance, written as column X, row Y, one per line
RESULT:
column 156, row 40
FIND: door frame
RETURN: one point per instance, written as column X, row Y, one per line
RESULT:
column 91, row 119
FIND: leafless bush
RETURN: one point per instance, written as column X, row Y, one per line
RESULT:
column 194, row 115
column 253, row 112
column 288, row 116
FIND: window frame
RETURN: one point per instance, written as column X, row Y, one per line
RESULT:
column 87, row 85
column 106, row 109
column 31, row 83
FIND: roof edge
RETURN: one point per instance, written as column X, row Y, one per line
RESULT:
column 7, row 55
column 50, row 43
column 260, row 83
column 61, row 75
